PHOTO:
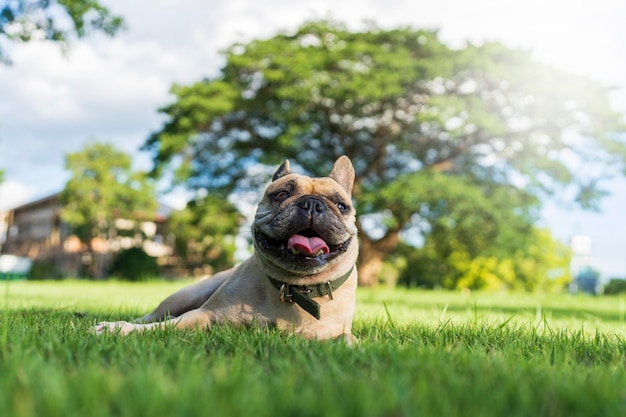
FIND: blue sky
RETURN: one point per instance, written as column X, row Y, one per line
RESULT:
column 109, row 89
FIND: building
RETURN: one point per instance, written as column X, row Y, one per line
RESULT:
column 35, row 230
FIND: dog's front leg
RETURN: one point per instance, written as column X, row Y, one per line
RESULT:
column 186, row 299
column 195, row 319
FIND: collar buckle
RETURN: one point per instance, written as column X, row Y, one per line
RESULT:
column 330, row 289
column 285, row 294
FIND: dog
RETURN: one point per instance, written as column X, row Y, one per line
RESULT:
column 302, row 276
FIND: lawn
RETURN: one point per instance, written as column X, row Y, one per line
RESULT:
column 421, row 353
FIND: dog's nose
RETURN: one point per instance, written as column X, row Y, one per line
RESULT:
column 312, row 205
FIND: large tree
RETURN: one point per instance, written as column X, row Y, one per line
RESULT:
column 398, row 102
column 55, row 20
column 104, row 187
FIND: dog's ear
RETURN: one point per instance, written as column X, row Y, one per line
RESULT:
column 282, row 170
column 343, row 173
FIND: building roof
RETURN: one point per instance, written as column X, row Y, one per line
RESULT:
column 36, row 202
column 163, row 210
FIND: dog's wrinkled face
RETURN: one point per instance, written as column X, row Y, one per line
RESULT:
column 304, row 225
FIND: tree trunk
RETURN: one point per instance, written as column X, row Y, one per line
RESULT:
column 372, row 255
column 370, row 265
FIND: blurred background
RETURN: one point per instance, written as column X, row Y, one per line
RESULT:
column 488, row 136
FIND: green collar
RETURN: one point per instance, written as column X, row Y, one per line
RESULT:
column 303, row 294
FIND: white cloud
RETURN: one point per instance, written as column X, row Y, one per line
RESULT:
column 86, row 87
column 13, row 194
column 52, row 105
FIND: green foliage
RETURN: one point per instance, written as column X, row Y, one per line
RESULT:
column 482, row 363
column 134, row 264
column 291, row 95
column 468, row 237
column 58, row 21
column 103, row 187
column 615, row 286
column 454, row 211
column 205, row 233
column 538, row 263
column 543, row 263
column 396, row 101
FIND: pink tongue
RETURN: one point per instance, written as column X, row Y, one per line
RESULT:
column 307, row 245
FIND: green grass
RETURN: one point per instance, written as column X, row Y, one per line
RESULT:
column 421, row 353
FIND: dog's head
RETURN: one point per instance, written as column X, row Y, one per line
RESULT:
column 305, row 227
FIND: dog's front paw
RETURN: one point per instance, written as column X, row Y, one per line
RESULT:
column 121, row 327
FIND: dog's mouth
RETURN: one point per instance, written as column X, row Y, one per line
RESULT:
column 302, row 246
column 307, row 243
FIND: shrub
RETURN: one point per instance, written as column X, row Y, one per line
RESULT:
column 44, row 270
column 615, row 286
column 134, row 264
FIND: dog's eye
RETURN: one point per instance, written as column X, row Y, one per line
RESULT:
column 342, row 207
column 281, row 195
